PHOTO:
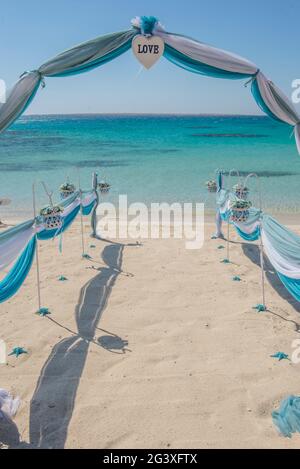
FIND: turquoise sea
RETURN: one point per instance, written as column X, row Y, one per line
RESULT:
column 151, row 158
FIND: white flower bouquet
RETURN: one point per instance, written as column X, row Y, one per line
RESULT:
column 51, row 216
column 66, row 189
column 241, row 191
column 211, row 186
column 103, row 186
column 240, row 210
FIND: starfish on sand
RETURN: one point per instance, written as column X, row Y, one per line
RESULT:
column 17, row 351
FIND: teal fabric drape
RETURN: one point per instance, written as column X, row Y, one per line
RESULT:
column 88, row 55
column 191, row 65
column 260, row 102
column 88, row 208
column 254, row 236
column 19, row 98
column 284, row 241
column 11, row 283
column 79, row 59
column 16, row 276
column 219, row 181
column 15, row 230
column 67, row 201
column 67, row 221
column 13, row 241
column 281, row 245
column 287, row 419
column 185, row 52
column 291, row 284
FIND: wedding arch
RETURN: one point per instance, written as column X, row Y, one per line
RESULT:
column 149, row 40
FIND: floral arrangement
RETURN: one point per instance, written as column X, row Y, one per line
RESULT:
column 51, row 210
column 51, row 217
column 240, row 210
column 103, row 186
column 241, row 191
column 241, row 205
column 211, row 186
column 67, row 187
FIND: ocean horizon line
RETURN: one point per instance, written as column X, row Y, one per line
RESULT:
column 155, row 114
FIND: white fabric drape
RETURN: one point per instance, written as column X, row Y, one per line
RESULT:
column 11, row 248
column 85, row 54
column 248, row 228
column 277, row 102
column 218, row 233
column 88, row 199
column 288, row 267
column 208, row 54
column 98, row 51
column 19, row 98
column 79, row 59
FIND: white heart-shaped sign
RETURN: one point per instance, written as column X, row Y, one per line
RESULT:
column 148, row 49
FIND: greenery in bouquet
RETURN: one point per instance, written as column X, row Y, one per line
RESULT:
column 241, row 205
column 240, row 188
column 211, row 183
column 211, row 186
column 67, row 187
column 103, row 186
column 49, row 210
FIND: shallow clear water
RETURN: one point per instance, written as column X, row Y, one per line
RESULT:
column 150, row 158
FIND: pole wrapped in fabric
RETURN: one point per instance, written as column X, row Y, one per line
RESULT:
column 297, row 136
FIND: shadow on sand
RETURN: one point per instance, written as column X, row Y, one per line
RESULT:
column 52, row 404
column 9, row 433
column 252, row 252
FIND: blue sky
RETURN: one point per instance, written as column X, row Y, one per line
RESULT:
column 264, row 31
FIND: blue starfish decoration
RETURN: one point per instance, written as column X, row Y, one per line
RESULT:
column 280, row 356
column 260, row 308
column 62, row 278
column 43, row 312
column 236, row 279
column 86, row 256
column 17, row 351
column 225, row 261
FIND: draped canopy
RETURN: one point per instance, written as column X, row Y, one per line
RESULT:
column 281, row 245
column 18, row 244
column 187, row 53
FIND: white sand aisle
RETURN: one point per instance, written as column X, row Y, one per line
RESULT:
column 169, row 354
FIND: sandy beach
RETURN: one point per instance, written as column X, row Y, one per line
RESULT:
column 149, row 346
